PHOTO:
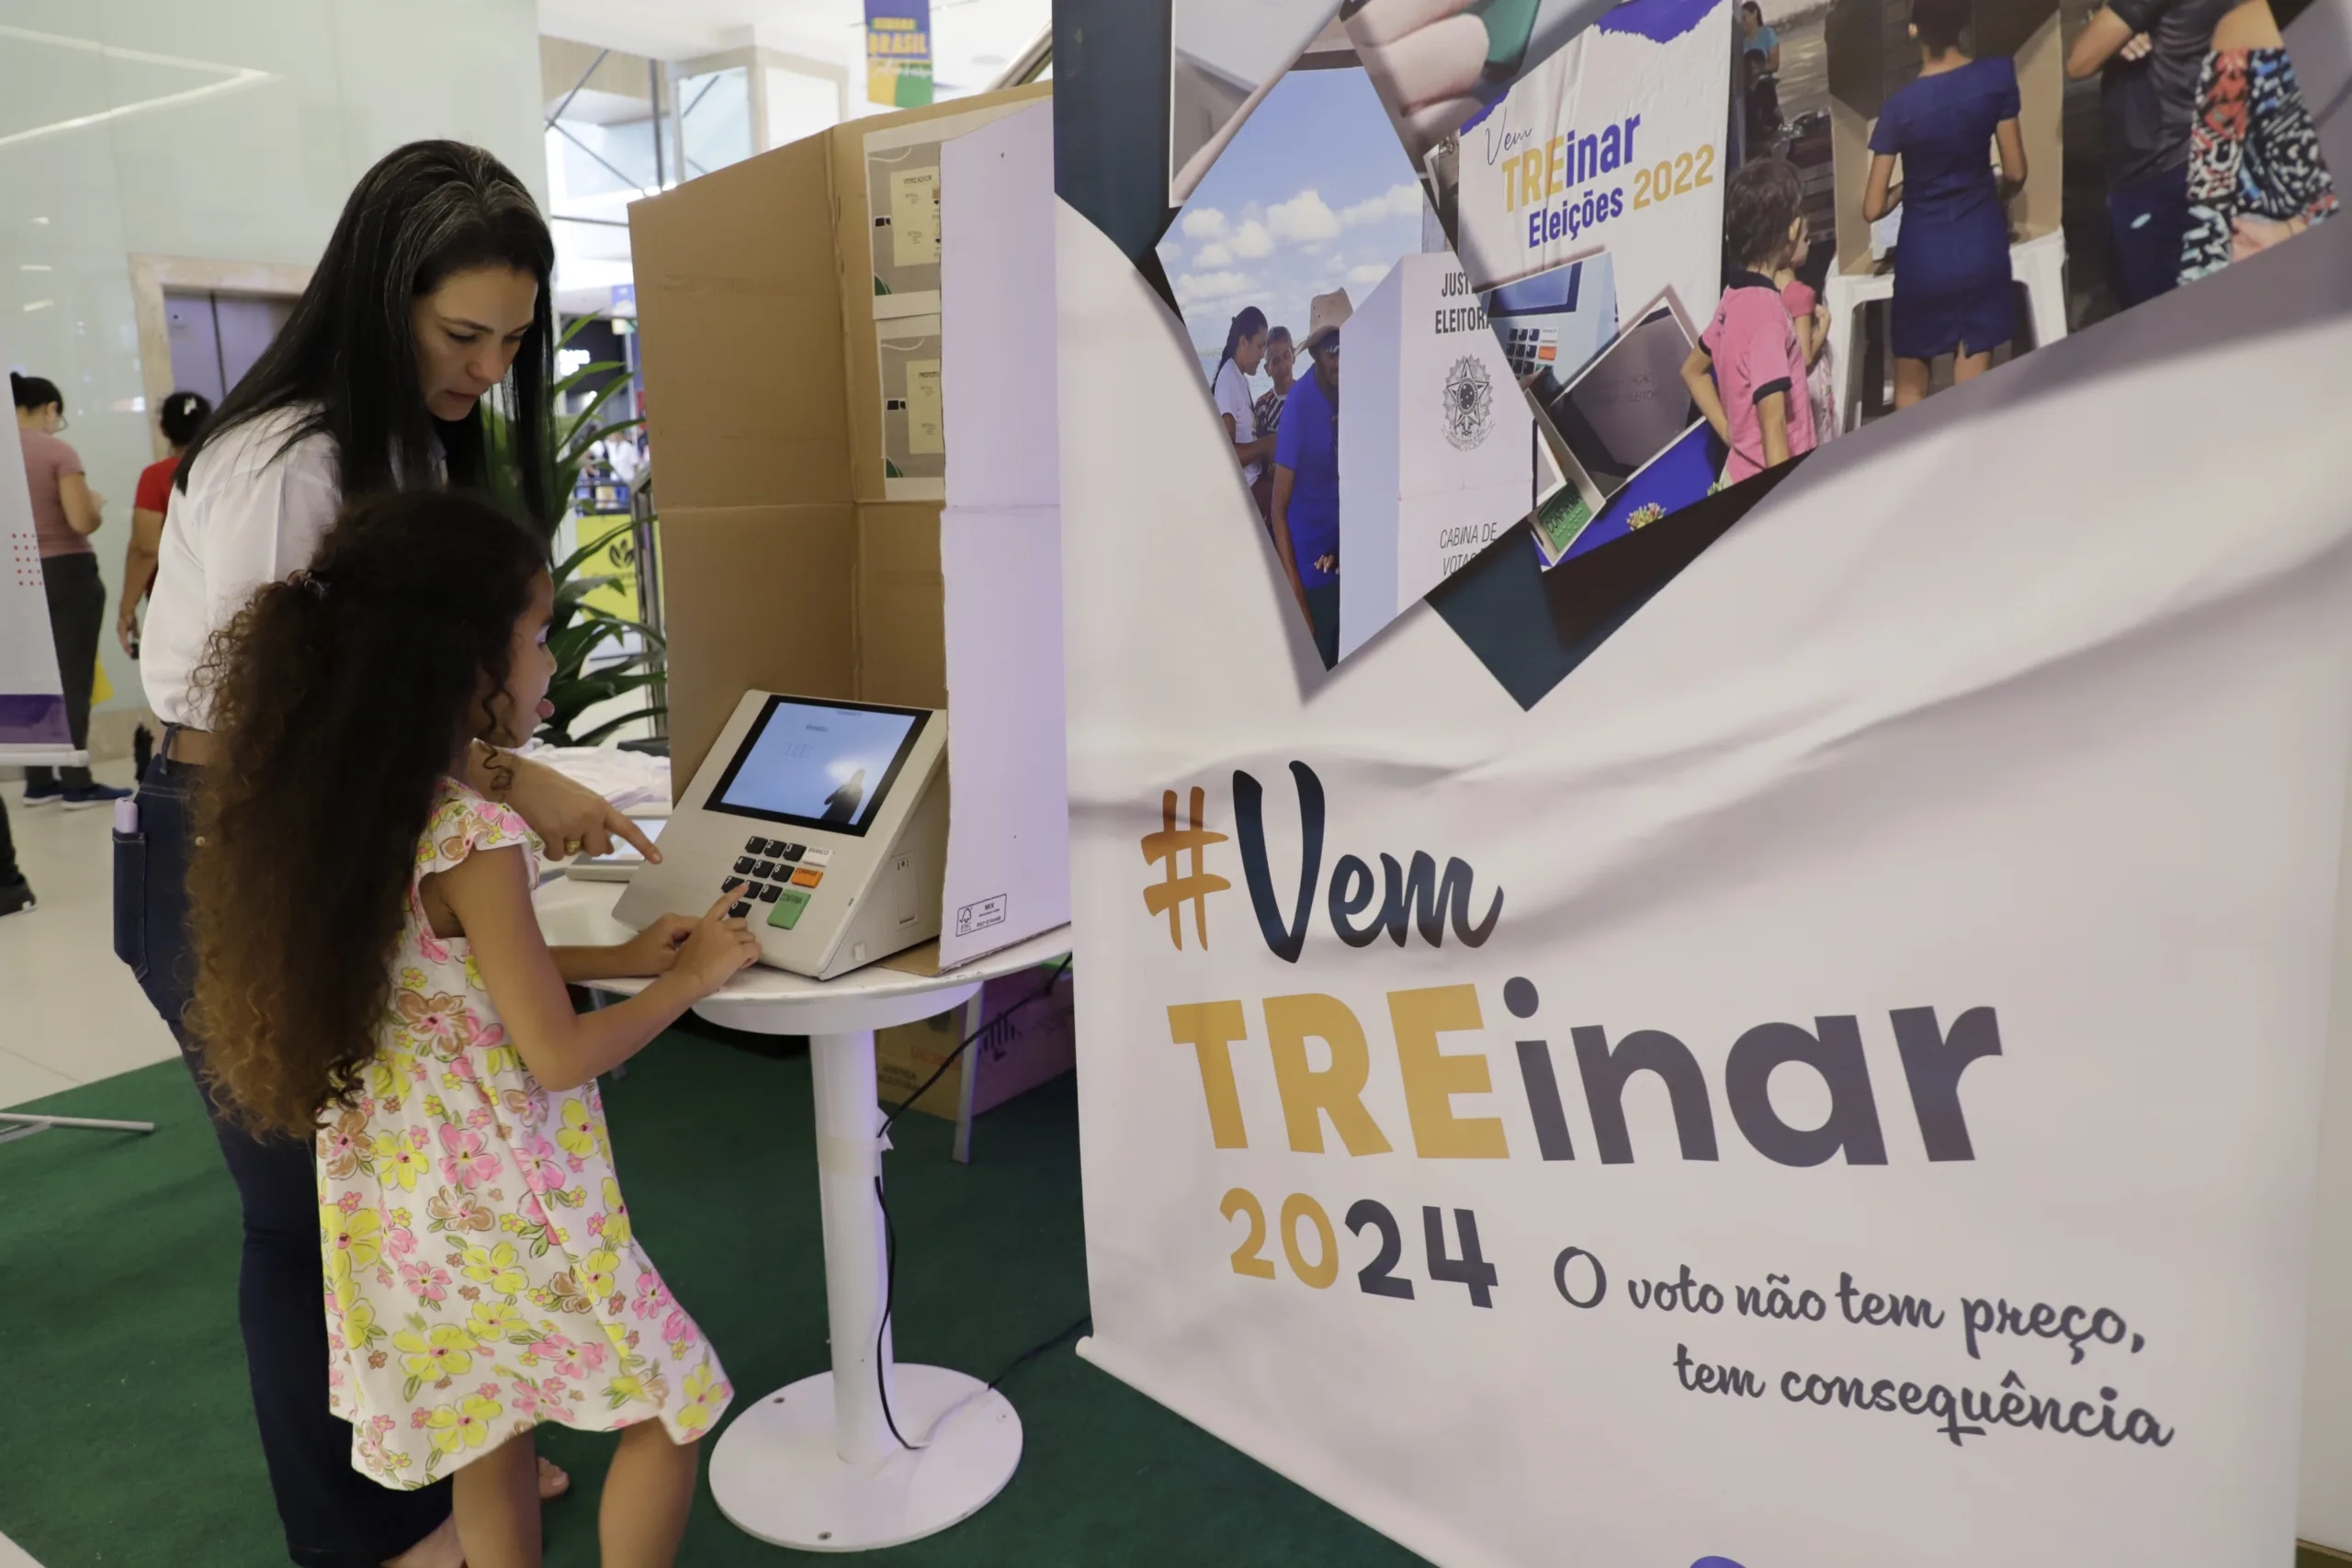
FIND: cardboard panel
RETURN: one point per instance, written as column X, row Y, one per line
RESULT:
column 740, row 318
column 1008, row 830
column 855, row 237
column 997, row 301
column 901, row 637
column 756, row 596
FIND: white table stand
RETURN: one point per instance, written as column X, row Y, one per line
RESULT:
column 814, row 1465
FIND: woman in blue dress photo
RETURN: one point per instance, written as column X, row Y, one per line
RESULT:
column 1949, row 124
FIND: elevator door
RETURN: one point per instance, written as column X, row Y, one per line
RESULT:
column 217, row 337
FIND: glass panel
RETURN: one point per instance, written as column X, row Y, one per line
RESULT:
column 714, row 119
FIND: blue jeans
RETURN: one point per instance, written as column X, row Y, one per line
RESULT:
column 1323, row 618
column 335, row 1517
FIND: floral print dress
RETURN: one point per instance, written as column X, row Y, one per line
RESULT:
column 2254, row 152
column 481, row 1277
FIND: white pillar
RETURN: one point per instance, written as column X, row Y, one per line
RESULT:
column 848, row 1161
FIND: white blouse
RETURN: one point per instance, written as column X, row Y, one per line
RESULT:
column 1232, row 395
column 250, row 516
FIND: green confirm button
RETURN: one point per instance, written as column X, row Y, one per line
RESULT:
column 788, row 905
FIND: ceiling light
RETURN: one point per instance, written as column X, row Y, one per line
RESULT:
column 232, row 77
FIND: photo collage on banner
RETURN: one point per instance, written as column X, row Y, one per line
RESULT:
column 1705, row 237
column 1908, row 194
column 1309, row 226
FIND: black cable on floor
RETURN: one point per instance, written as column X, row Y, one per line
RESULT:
column 1031, row 1354
column 889, row 1237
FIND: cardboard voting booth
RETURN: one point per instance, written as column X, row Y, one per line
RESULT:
column 803, row 471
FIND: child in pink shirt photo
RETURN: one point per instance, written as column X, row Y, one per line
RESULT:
column 1747, row 374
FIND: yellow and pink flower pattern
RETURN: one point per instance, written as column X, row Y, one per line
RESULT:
column 481, row 1273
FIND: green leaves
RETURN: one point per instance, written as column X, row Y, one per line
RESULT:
column 580, row 635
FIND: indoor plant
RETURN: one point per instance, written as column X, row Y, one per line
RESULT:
column 581, row 634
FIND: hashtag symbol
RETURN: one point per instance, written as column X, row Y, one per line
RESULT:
column 1170, row 845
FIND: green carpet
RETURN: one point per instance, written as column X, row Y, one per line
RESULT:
column 128, row 1435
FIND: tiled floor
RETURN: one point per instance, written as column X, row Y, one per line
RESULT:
column 70, row 1013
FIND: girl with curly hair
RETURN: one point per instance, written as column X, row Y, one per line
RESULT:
column 371, row 977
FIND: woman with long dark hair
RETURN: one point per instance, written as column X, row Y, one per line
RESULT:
column 1245, row 346
column 433, row 293
column 66, row 512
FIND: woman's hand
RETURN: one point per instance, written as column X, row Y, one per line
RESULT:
column 654, row 950
column 2250, row 236
column 126, row 626
column 718, row 949
column 567, row 816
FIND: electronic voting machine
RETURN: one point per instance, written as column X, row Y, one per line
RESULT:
column 833, row 816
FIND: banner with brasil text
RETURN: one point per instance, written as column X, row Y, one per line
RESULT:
column 1842, row 1050
column 898, row 53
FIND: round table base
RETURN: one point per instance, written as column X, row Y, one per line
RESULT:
column 777, row 1475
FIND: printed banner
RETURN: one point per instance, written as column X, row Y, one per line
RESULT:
column 1799, row 1079
column 898, row 53
column 32, row 703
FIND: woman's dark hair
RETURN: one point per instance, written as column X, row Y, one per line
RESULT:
column 34, row 391
column 340, row 698
column 425, row 212
column 183, row 415
column 1247, row 323
column 1753, row 9
column 1764, row 199
column 1940, row 23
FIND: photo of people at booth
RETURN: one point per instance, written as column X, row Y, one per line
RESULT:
column 1308, row 206
column 1711, row 236
column 2010, row 171
column 1903, row 196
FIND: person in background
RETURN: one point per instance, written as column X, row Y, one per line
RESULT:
column 1282, row 360
column 15, row 893
column 1951, row 263
column 1747, row 374
column 66, row 512
column 2256, row 175
column 1810, row 317
column 183, row 415
column 1245, row 345
column 1306, row 504
column 432, row 291
column 1759, row 55
column 1756, row 37
column 2147, row 55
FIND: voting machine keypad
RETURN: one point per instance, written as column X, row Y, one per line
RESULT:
column 777, row 873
